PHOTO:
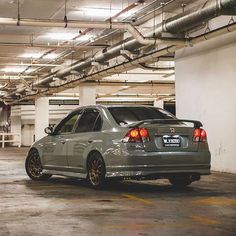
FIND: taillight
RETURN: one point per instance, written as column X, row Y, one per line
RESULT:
column 199, row 135
column 137, row 135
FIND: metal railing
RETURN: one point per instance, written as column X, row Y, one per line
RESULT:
column 10, row 138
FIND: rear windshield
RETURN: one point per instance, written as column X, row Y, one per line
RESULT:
column 128, row 115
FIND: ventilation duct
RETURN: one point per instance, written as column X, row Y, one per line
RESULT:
column 179, row 25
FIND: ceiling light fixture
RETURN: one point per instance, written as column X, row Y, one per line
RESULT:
column 50, row 56
column 61, row 36
column 97, row 12
column 31, row 55
column 13, row 69
column 86, row 37
column 18, row 69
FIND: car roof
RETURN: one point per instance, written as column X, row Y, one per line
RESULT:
column 108, row 106
column 126, row 105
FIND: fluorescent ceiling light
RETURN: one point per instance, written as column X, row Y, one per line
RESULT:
column 38, row 55
column 97, row 12
column 31, row 55
column 13, row 69
column 61, row 36
column 50, row 56
column 19, row 69
column 85, row 37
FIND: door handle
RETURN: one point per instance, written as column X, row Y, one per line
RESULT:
column 63, row 141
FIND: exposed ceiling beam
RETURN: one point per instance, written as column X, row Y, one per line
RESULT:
column 28, row 64
column 69, row 45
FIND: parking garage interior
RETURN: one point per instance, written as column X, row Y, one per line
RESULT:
column 59, row 55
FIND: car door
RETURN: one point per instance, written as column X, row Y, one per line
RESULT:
column 86, row 135
column 55, row 150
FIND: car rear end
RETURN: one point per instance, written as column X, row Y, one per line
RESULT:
column 160, row 146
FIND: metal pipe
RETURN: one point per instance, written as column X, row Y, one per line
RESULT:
column 70, row 46
column 87, row 24
column 214, row 33
column 176, row 25
column 185, row 22
column 159, row 53
column 216, row 8
column 28, row 64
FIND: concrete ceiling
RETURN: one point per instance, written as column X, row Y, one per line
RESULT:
column 29, row 53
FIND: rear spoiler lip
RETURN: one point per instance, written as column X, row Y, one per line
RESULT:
column 196, row 123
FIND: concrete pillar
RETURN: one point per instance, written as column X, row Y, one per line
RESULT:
column 158, row 103
column 16, row 124
column 205, row 91
column 41, row 116
column 87, row 94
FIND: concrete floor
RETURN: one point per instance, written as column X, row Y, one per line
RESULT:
column 63, row 206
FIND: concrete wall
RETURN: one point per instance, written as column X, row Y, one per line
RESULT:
column 206, row 90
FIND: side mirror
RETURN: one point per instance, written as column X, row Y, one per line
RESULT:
column 48, row 130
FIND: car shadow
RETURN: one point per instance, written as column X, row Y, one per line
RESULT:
column 78, row 187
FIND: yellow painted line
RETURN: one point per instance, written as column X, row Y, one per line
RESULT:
column 216, row 201
column 205, row 220
column 138, row 199
column 148, row 226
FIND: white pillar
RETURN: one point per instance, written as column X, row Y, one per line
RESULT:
column 158, row 103
column 41, row 116
column 87, row 94
column 16, row 123
column 205, row 91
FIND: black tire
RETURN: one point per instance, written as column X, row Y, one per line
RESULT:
column 34, row 168
column 96, row 171
column 180, row 181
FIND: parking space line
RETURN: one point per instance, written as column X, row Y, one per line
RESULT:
column 141, row 226
column 215, row 201
column 135, row 198
column 205, row 220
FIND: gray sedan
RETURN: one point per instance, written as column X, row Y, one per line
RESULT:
column 101, row 143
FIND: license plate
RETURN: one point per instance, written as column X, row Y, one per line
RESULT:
column 171, row 141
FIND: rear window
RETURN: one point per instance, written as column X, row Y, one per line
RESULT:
column 128, row 115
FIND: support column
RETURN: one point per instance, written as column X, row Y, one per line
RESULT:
column 205, row 91
column 41, row 116
column 158, row 103
column 16, row 124
column 87, row 94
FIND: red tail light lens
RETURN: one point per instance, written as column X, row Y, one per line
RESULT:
column 203, row 137
column 137, row 135
column 199, row 135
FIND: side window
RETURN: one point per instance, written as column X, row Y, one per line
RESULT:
column 98, row 123
column 67, row 125
column 89, row 121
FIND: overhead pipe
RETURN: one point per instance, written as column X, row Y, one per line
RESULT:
column 29, row 64
column 177, row 25
column 159, row 53
column 70, row 46
column 184, row 22
column 145, row 58
column 216, row 8
column 89, row 24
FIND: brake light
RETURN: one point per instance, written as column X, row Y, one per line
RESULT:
column 137, row 135
column 199, row 135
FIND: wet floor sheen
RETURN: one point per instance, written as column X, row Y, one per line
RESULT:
column 66, row 206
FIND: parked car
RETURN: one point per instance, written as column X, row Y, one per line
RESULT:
column 101, row 143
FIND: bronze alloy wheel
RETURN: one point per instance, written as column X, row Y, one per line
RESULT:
column 96, row 170
column 34, row 168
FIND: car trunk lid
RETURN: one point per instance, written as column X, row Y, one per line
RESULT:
column 170, row 135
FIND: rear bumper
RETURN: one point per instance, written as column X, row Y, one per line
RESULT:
column 158, row 165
